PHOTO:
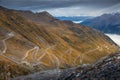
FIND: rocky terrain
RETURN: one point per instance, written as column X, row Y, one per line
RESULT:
column 9, row 70
column 39, row 42
column 107, row 68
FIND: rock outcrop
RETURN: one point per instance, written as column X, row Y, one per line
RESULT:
column 107, row 68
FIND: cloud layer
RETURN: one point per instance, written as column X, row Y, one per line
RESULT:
column 115, row 38
column 61, row 7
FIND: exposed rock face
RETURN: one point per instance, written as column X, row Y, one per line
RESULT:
column 49, row 43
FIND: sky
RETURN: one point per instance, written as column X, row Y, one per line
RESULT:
column 65, row 7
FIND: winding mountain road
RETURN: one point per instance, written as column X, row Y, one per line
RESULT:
column 81, row 55
column 4, row 46
column 53, row 58
column 10, row 35
column 36, row 48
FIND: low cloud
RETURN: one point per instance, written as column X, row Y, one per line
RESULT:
column 61, row 7
column 115, row 38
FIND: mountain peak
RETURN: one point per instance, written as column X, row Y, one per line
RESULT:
column 44, row 13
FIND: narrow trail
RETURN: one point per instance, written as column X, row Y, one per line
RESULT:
column 88, row 52
column 81, row 55
column 98, row 48
column 53, row 58
column 14, row 61
column 67, row 52
column 36, row 48
column 35, row 53
column 10, row 35
column 43, row 53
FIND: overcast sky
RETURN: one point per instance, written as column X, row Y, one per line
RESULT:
column 65, row 7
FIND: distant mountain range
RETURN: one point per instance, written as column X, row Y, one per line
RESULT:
column 75, row 19
column 107, row 23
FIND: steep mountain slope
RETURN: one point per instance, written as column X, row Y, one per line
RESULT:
column 107, row 23
column 39, row 41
